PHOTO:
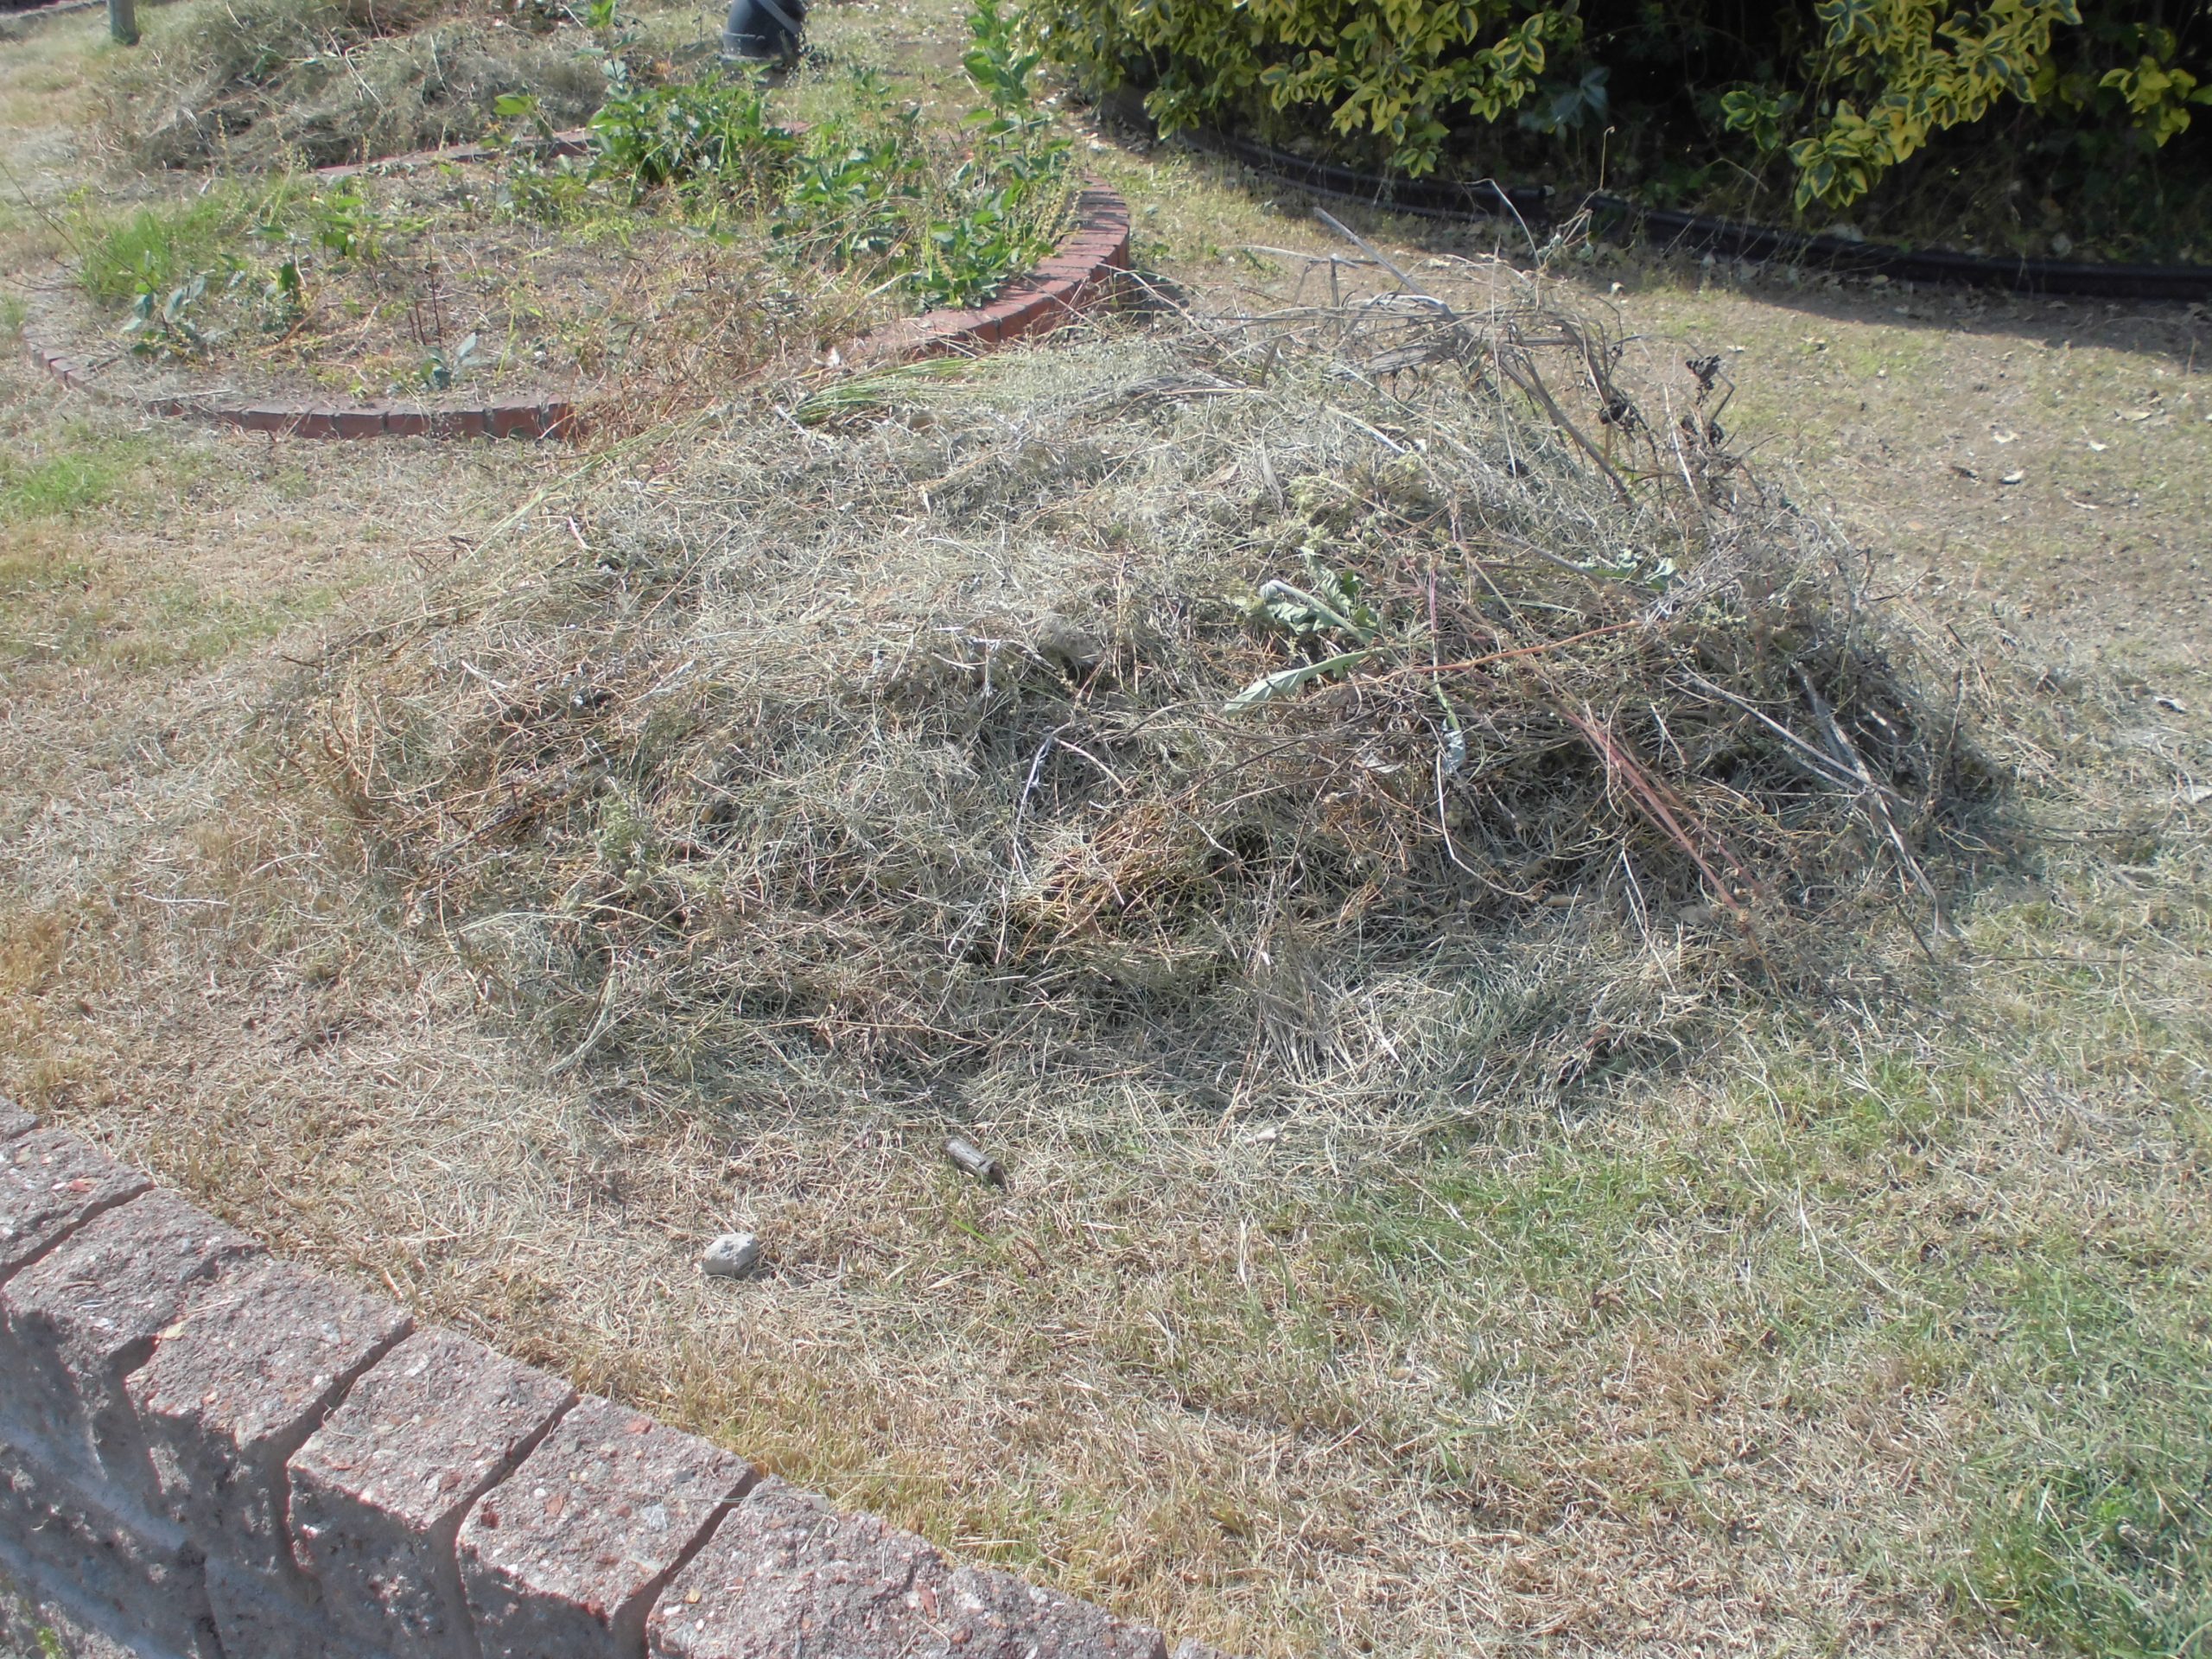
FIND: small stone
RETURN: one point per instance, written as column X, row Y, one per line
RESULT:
column 733, row 1256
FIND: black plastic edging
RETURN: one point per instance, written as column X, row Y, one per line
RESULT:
column 1725, row 238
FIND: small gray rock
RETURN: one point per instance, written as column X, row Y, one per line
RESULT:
column 733, row 1256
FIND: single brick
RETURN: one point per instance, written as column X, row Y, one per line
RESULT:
column 516, row 420
column 959, row 328
column 51, row 1182
column 998, row 1616
column 74, row 1323
column 234, row 1388
column 564, row 1557
column 360, row 422
column 264, row 417
column 785, row 1576
column 460, row 424
column 14, row 1120
column 407, row 422
column 783, row 1564
column 138, row 1579
column 317, row 424
column 1029, row 319
column 380, row 1490
column 264, row 1618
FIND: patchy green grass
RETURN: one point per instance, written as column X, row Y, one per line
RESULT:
column 2092, row 1521
column 70, row 483
column 159, row 246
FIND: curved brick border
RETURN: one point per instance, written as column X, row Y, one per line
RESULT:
column 206, row 1450
column 1088, row 271
column 510, row 418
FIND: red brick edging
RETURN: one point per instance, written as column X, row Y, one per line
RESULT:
column 1087, row 272
column 508, row 418
column 208, row 1451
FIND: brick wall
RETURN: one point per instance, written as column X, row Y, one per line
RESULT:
column 209, row 1452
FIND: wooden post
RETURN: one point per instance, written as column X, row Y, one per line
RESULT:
column 122, row 21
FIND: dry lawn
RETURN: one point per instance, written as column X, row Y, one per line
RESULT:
column 1874, row 1322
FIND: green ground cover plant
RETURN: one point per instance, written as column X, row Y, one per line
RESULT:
column 945, row 217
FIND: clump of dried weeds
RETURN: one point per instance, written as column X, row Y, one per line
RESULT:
column 265, row 83
column 1350, row 701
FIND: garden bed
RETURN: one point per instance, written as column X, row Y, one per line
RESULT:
column 691, row 238
column 416, row 287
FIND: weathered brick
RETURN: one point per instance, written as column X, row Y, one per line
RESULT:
column 783, row 1564
column 138, row 1579
column 564, row 1556
column 74, row 1323
column 998, row 1616
column 786, row 1575
column 14, row 1120
column 266, row 417
column 263, row 1618
column 460, row 424
column 522, row 419
column 50, row 1182
column 234, row 1388
column 964, row 328
column 361, row 422
column 380, row 1490
column 317, row 424
column 407, row 422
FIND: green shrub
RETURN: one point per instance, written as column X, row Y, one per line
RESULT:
column 1399, row 70
column 1890, row 74
column 1838, row 93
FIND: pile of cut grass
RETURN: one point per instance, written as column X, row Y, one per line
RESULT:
column 257, row 84
column 1227, row 707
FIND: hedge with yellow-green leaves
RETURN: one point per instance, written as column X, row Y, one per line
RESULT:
column 1842, row 91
